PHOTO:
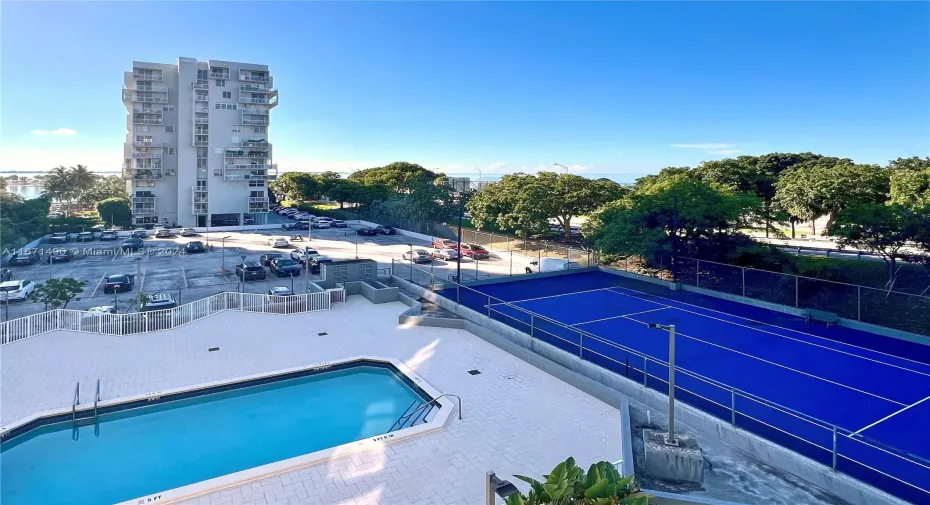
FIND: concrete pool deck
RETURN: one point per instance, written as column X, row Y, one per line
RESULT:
column 517, row 418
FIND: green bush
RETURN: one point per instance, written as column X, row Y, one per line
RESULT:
column 569, row 484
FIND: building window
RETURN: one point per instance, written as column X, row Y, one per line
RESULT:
column 169, row 129
column 168, row 108
column 202, row 75
column 144, row 139
column 221, row 83
column 227, row 94
column 236, row 128
column 201, row 163
column 142, row 129
column 259, row 129
column 256, row 184
column 225, row 106
column 169, row 150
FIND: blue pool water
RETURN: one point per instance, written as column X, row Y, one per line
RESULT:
column 168, row 445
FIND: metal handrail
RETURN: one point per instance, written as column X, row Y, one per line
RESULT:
column 96, row 400
column 422, row 411
column 75, row 402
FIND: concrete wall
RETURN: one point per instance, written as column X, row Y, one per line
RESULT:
column 378, row 293
column 613, row 389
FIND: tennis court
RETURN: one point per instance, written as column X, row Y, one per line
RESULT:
column 853, row 400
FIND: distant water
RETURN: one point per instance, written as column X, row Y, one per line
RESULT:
column 29, row 192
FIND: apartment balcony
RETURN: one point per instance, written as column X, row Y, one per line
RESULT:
column 268, row 174
column 232, row 152
column 272, row 100
column 147, row 154
column 256, row 143
column 146, row 110
column 155, row 88
column 201, row 97
column 201, row 120
column 219, row 75
column 142, row 205
column 201, row 143
column 254, row 122
column 154, row 75
column 147, row 121
column 201, row 85
column 247, row 166
column 256, row 88
column 256, row 112
column 156, row 145
column 143, row 174
column 198, row 200
column 249, row 77
column 130, row 96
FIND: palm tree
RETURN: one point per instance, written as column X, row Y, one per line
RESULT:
column 2, row 185
column 82, row 181
column 57, row 183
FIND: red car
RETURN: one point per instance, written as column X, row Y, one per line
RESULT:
column 474, row 251
column 444, row 243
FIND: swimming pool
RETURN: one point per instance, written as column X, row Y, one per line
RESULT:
column 202, row 439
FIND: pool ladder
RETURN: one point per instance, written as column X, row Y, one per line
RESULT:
column 420, row 413
column 83, row 421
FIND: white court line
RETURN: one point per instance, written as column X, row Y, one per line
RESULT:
column 785, row 336
column 891, row 415
column 553, row 296
column 102, row 278
column 616, row 317
column 677, row 333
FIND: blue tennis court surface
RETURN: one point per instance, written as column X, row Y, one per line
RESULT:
column 770, row 373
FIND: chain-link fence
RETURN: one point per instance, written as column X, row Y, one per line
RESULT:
column 883, row 307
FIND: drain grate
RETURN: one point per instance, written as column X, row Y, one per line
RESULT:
column 323, row 334
column 474, row 372
column 213, row 349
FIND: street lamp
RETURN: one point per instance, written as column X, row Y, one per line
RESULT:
column 670, row 438
column 411, row 262
column 561, row 165
column 479, row 178
column 224, row 252
column 242, row 277
column 138, row 261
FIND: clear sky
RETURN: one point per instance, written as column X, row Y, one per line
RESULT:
column 618, row 89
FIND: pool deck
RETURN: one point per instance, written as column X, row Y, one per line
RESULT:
column 517, row 418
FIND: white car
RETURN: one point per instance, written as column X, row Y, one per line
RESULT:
column 303, row 253
column 551, row 265
column 322, row 225
column 278, row 242
column 16, row 290
column 188, row 232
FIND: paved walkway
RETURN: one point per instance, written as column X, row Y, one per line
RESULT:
column 517, row 419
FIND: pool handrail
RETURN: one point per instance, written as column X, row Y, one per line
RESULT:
column 75, row 402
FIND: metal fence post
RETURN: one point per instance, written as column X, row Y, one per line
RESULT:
column 489, row 306
column 645, row 373
column 580, row 344
column 834, row 447
column 532, row 326
column 511, row 258
column 733, row 406
column 697, row 273
column 858, row 303
column 744, row 281
column 797, row 296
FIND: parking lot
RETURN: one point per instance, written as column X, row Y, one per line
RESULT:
column 164, row 267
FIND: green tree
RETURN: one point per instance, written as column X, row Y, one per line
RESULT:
column 525, row 203
column 885, row 230
column 57, row 184
column 568, row 484
column 910, row 182
column 646, row 223
column 82, row 181
column 298, row 186
column 663, row 175
column 22, row 221
column 326, row 182
column 826, row 186
column 104, row 188
column 400, row 176
column 115, row 212
column 344, row 191
column 57, row 293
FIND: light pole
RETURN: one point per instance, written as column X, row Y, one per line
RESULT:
column 224, row 252
column 561, row 165
column 458, row 246
column 242, row 277
column 411, row 262
column 670, row 438
column 479, row 179
column 138, row 260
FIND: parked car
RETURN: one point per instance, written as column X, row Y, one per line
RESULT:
column 139, row 234
column 85, row 236
column 301, row 254
column 188, row 232
column 280, row 291
column 55, row 215
column 5, row 274
column 385, row 229
column 278, row 242
column 302, row 224
column 60, row 255
column 338, row 223
column 445, row 254
column 248, row 220
column 417, row 256
column 250, row 271
column 59, row 238
column 163, row 233
column 444, row 243
column 25, row 258
column 474, row 251
column 131, row 244
column 96, row 311
column 16, row 290
column 108, row 235
column 288, row 227
column 550, row 265
column 285, row 267
column 119, row 282
column 323, row 225
column 368, row 232
column 266, row 259
column 159, row 301
column 287, row 210
column 316, row 263
column 194, row 247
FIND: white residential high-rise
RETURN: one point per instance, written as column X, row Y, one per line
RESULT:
column 197, row 151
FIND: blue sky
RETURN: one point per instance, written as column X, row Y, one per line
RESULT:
column 618, row 89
